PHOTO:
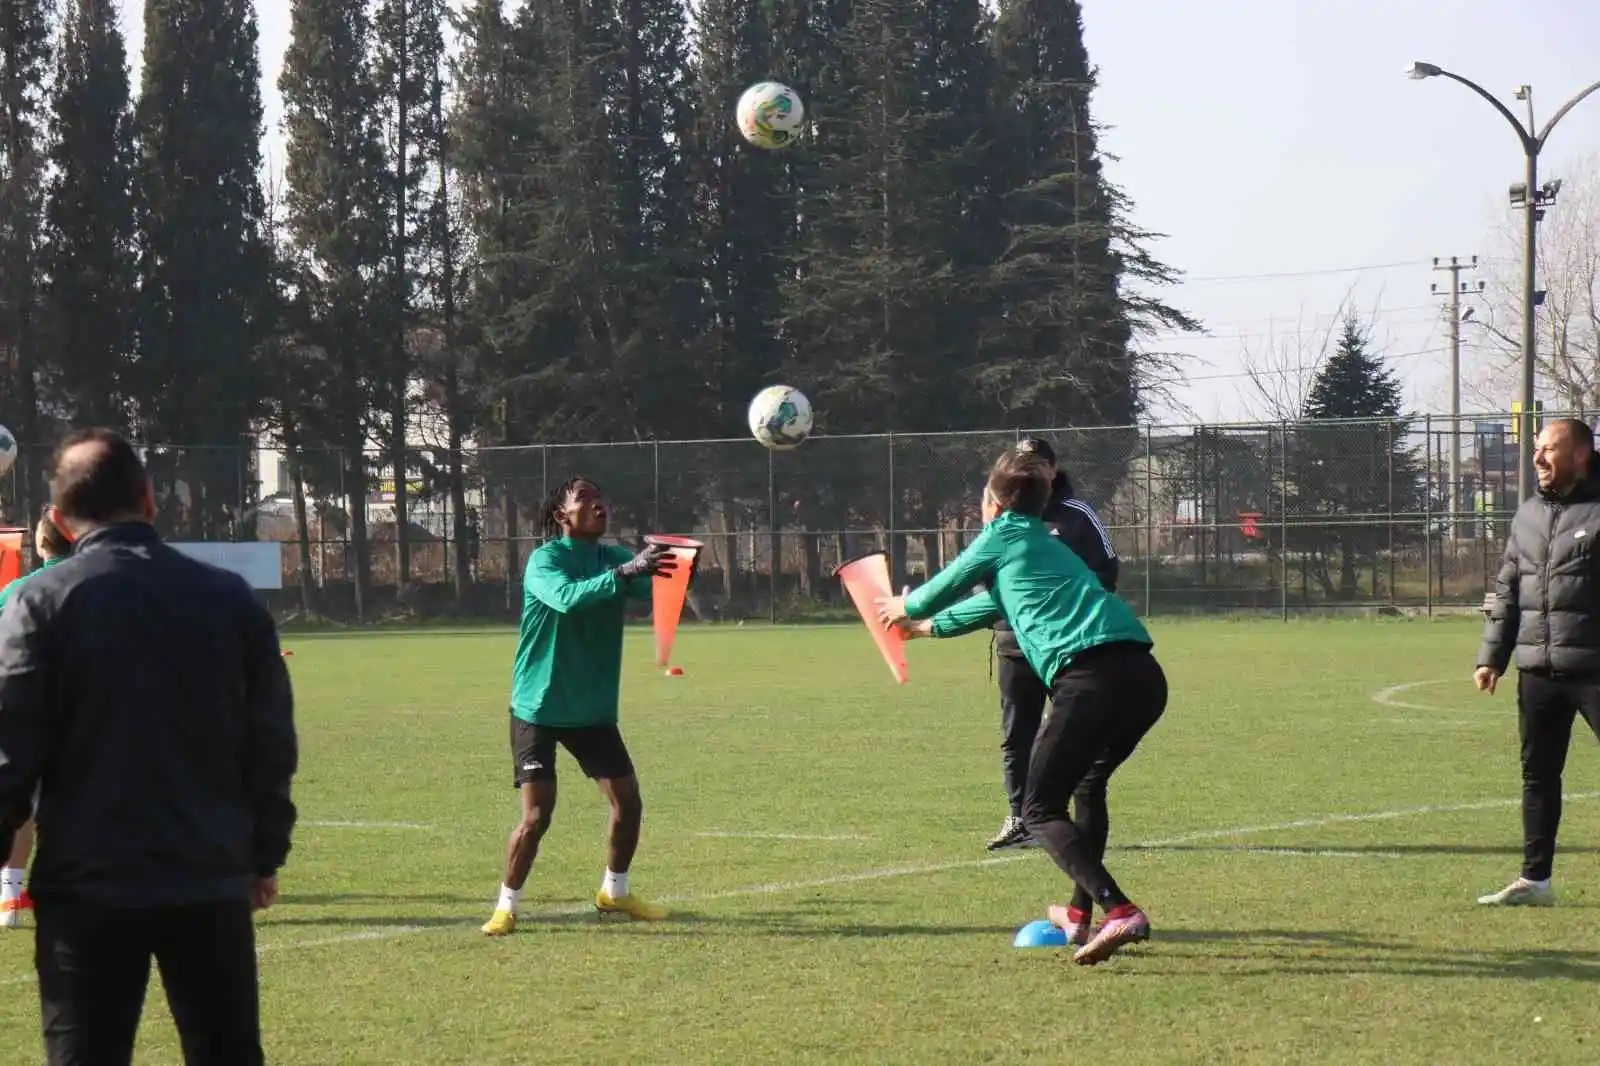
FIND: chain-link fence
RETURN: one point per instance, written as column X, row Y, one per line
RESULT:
column 1272, row 516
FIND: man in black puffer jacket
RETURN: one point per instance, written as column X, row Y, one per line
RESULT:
column 1022, row 695
column 1546, row 613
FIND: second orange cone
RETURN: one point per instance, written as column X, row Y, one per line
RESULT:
column 866, row 579
column 668, row 592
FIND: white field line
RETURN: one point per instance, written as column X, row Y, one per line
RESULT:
column 781, row 887
column 365, row 825
column 1390, row 697
column 718, row 834
column 1345, row 819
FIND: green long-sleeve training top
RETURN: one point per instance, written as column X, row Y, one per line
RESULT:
column 11, row 587
column 1053, row 601
column 568, row 669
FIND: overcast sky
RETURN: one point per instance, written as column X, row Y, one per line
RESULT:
column 1281, row 137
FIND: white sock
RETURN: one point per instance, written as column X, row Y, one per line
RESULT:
column 12, row 879
column 508, row 899
column 1539, row 884
column 615, row 885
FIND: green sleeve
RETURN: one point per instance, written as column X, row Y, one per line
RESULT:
column 635, row 588
column 551, row 581
column 11, row 586
column 978, row 562
column 976, row 612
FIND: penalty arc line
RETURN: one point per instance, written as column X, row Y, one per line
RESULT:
column 1389, row 697
column 781, row 887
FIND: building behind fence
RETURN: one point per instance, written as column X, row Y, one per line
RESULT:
column 1281, row 517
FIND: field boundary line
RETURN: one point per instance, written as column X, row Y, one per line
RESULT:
column 384, row 933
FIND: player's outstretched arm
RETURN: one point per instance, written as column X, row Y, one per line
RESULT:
column 551, row 581
column 976, row 562
column 970, row 615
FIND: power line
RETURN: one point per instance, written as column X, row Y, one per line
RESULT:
column 1307, row 369
column 1221, row 279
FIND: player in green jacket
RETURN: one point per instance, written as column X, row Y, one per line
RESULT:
column 564, row 690
column 1107, row 690
column 52, row 546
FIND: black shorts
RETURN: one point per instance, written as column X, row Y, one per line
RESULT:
column 598, row 748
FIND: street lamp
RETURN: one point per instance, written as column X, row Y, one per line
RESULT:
column 1532, row 201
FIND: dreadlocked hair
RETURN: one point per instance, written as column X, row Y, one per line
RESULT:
column 549, row 517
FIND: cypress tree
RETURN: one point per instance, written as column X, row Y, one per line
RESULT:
column 90, row 267
column 204, row 274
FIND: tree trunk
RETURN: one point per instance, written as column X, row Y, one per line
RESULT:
column 302, row 523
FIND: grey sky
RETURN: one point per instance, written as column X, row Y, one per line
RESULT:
column 1282, row 136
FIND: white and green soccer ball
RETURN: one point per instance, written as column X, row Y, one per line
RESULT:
column 8, row 451
column 780, row 417
column 770, row 115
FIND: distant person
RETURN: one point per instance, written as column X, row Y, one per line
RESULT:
column 52, row 546
column 1546, row 615
column 1023, row 695
column 565, row 688
column 143, row 694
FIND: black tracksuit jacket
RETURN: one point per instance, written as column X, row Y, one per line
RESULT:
column 143, row 693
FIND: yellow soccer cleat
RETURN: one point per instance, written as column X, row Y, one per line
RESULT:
column 632, row 905
column 502, row 923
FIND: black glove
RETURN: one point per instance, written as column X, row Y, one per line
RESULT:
column 655, row 559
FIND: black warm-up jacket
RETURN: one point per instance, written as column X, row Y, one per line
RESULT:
column 1546, row 608
column 143, row 693
column 1079, row 528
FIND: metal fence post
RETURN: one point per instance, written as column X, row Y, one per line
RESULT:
column 1149, row 516
column 894, row 508
column 1283, row 525
column 774, row 546
column 655, row 485
column 1427, row 502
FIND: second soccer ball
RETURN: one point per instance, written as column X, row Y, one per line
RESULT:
column 770, row 115
column 780, row 417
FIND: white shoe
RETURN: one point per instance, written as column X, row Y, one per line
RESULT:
column 1521, row 893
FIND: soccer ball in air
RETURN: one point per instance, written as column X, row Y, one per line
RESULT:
column 8, row 449
column 780, row 417
column 770, row 115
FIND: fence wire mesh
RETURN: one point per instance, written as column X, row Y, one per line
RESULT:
column 1269, row 516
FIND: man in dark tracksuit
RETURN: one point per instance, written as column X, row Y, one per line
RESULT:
column 1546, row 613
column 1022, row 695
column 144, row 693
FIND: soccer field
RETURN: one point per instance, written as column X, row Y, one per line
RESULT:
column 1308, row 828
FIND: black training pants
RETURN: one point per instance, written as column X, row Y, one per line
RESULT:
column 1546, row 708
column 94, row 966
column 1102, row 704
column 1022, row 700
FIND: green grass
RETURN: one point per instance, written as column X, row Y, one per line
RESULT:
column 805, row 951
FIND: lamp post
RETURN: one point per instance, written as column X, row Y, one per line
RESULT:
column 1532, row 200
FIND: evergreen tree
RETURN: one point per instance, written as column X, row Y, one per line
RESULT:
column 496, row 137
column 337, row 213
column 1343, row 477
column 204, row 271
column 90, row 267
column 1072, row 281
column 24, row 69
column 408, row 57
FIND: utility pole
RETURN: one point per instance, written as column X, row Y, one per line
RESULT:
column 1457, row 289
